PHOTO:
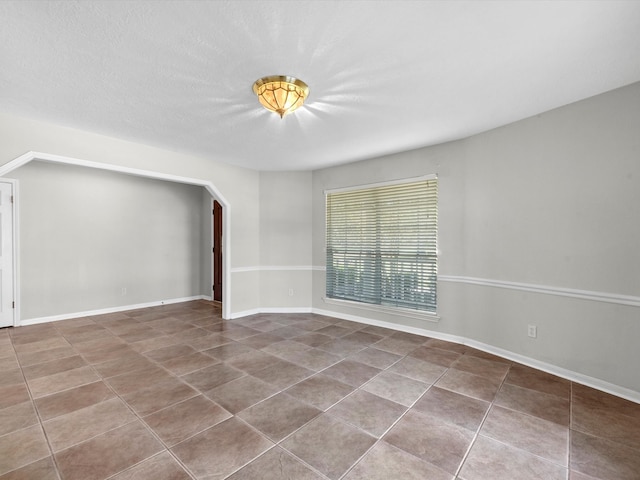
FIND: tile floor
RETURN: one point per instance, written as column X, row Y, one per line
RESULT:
column 175, row 392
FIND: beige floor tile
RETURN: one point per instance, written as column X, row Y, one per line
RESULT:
column 394, row 387
column 341, row 347
column 235, row 444
column 75, row 427
column 160, row 467
column 13, row 394
column 444, row 345
column 9, row 362
column 373, row 414
column 351, row 372
column 108, row 454
column 605, row 421
column 11, row 377
column 182, row 420
column 17, row 417
column 532, row 434
column 43, row 469
column 253, row 361
column 62, row 381
column 313, row 339
column 211, row 377
column 276, row 464
column 454, row 408
column 21, row 448
column 260, row 340
column 168, row 352
column 314, row 359
column 481, row 367
column 420, row 370
column 549, row 407
column 125, row 363
column 320, row 390
column 396, row 345
column 241, row 393
column 156, row 396
column 494, row 460
column 537, row 380
column 130, row 382
column 52, row 367
column 375, row 358
column 436, row 356
column 602, row 458
column 283, row 374
column 279, row 416
column 469, row 384
column 227, row 351
column 73, row 399
column 434, row 441
column 31, row 358
column 384, row 462
column 329, row 445
column 188, row 363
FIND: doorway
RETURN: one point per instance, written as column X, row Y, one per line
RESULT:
column 217, row 251
column 213, row 191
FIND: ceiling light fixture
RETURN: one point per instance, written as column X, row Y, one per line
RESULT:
column 280, row 93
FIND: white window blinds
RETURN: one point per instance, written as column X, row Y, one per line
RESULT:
column 381, row 245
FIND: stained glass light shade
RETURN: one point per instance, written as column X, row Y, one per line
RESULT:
column 280, row 93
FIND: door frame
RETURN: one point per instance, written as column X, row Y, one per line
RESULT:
column 217, row 255
column 15, row 287
column 47, row 157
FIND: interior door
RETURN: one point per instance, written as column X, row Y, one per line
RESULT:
column 7, row 312
column 217, row 251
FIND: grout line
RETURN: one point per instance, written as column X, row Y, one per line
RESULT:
column 482, row 422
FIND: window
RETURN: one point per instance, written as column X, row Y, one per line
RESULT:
column 381, row 244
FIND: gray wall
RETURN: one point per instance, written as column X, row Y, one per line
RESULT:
column 551, row 201
column 92, row 239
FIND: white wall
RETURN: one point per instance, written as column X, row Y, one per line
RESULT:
column 548, row 203
column 285, row 240
column 554, row 200
column 92, row 239
column 240, row 187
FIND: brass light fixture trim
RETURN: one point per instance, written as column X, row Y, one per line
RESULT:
column 281, row 94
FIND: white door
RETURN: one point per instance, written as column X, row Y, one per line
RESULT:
column 6, row 255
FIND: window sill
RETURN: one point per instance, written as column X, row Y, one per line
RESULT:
column 403, row 312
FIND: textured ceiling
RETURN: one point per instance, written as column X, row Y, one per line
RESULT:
column 384, row 76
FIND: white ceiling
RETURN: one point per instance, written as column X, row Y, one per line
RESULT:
column 384, row 76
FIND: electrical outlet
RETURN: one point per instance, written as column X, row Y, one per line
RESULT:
column 532, row 331
column 124, row 291
column 291, row 292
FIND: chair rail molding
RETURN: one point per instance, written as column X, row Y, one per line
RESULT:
column 628, row 300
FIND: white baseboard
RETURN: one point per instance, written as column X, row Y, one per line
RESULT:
column 580, row 378
column 102, row 311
